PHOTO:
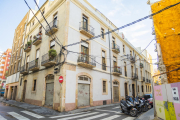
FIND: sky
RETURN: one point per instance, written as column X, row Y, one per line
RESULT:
column 120, row 12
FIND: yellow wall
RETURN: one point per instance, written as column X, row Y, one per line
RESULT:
column 167, row 29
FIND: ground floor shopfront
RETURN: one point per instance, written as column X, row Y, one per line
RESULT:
column 80, row 88
column 11, row 91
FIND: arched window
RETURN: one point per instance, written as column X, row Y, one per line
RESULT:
column 84, row 78
column 115, row 83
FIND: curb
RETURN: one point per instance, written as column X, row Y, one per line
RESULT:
column 64, row 113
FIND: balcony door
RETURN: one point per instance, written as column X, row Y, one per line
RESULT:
column 27, row 62
column 113, row 41
column 85, row 51
column 85, row 23
column 55, row 20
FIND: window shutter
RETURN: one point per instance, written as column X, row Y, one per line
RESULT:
column 37, row 53
column 85, row 44
column 52, row 42
column 114, row 58
column 103, row 54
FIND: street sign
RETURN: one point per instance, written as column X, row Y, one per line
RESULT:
column 61, row 79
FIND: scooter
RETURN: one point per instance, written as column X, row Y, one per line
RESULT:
column 144, row 105
column 138, row 104
column 127, row 106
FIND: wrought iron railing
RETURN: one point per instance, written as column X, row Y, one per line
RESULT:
column 144, row 79
column 37, row 37
column 24, row 68
column 117, row 70
column 53, row 24
column 33, row 64
column 132, row 59
column 86, row 27
column 46, row 59
column 134, row 76
column 104, row 66
column 147, row 80
column 27, row 46
column 87, row 59
column 141, row 65
column 116, row 47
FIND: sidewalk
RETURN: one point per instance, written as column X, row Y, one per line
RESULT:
column 46, row 111
column 149, row 115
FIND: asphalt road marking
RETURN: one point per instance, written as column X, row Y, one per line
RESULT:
column 2, row 118
column 68, row 115
column 18, row 116
column 94, row 117
column 78, row 116
column 129, row 118
column 32, row 114
column 108, row 111
column 116, row 108
column 112, row 117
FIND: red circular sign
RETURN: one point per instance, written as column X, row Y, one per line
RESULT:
column 61, row 79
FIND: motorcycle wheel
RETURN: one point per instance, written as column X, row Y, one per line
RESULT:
column 146, row 108
column 149, row 106
column 122, row 110
column 133, row 113
column 139, row 110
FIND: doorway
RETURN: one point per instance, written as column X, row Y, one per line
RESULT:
column 83, row 95
column 24, row 91
column 116, row 91
column 14, row 92
column 49, row 90
column 126, row 89
column 133, row 91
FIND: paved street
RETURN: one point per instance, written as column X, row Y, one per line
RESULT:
column 108, row 113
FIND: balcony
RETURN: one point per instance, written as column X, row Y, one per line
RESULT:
column 86, row 61
column 24, row 70
column 147, row 81
column 52, row 28
column 134, row 76
column 34, row 65
column 132, row 59
column 48, row 61
column 86, row 29
column 144, row 79
column 117, row 71
column 115, row 48
column 27, row 47
column 141, row 65
column 37, row 39
column 104, row 66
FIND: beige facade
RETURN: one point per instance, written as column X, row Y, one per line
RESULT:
column 39, row 85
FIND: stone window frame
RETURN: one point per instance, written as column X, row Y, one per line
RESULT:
column 102, row 49
column 105, row 93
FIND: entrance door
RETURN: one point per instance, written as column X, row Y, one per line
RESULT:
column 133, row 90
column 24, row 91
column 83, row 95
column 49, row 94
column 11, row 93
column 14, row 93
column 126, row 89
column 116, row 93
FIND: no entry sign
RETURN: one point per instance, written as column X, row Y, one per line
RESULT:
column 61, row 79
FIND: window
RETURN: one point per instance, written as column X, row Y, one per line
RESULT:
column 33, row 22
column 142, row 88
column 34, row 86
column 27, row 59
column 84, row 78
column 103, row 61
column 146, row 88
column 37, row 54
column 132, row 71
column 123, row 49
column 114, row 62
column 19, row 66
column 137, row 71
column 14, row 67
column 130, row 87
column 55, row 20
column 141, row 75
column 130, row 52
column 150, row 88
column 40, row 29
column 138, row 88
column 52, row 44
column 31, row 37
column 85, row 23
column 102, row 32
column 85, row 51
column 104, row 86
column 113, row 43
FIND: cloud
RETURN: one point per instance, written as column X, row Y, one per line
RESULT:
column 133, row 40
column 137, row 34
column 113, row 12
column 137, row 27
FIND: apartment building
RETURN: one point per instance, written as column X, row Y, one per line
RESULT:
column 86, row 75
column 12, row 82
column 4, row 66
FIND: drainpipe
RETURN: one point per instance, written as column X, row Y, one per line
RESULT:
column 110, row 66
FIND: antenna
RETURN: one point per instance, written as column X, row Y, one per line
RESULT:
column 36, row 7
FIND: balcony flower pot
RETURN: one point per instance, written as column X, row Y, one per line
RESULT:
column 40, row 33
column 52, row 54
column 34, row 37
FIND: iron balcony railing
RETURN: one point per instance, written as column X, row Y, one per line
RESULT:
column 144, row 79
column 27, row 46
column 147, row 80
column 86, row 27
column 104, row 66
column 37, row 37
column 46, row 59
column 117, row 70
column 86, row 59
column 24, row 68
column 141, row 65
column 34, row 64
column 116, row 47
column 53, row 24
column 132, row 59
column 134, row 76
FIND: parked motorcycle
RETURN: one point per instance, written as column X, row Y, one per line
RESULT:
column 145, row 104
column 128, row 106
column 138, row 104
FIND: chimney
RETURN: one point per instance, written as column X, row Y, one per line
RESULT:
column 36, row 8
